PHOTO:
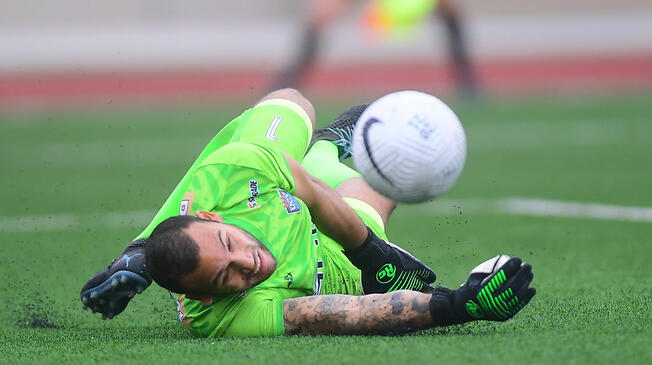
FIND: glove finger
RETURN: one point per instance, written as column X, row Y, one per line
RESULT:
column 524, row 290
column 510, row 268
column 520, row 280
column 524, row 275
column 427, row 275
column 526, row 294
column 413, row 264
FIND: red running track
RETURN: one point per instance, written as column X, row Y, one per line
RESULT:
column 551, row 75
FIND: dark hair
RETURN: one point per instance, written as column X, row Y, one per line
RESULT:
column 171, row 253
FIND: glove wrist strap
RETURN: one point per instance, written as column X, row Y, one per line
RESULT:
column 370, row 247
column 442, row 309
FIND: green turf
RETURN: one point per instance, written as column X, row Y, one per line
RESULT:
column 593, row 276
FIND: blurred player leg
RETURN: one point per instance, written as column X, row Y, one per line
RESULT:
column 465, row 78
column 321, row 14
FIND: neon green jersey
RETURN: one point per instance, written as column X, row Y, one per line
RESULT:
column 242, row 176
column 251, row 186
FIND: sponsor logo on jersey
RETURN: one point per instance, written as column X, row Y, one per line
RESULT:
column 319, row 277
column 290, row 203
column 253, row 193
column 315, row 238
column 183, row 209
column 179, row 311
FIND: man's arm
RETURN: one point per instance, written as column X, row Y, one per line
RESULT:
column 496, row 290
column 396, row 312
column 331, row 214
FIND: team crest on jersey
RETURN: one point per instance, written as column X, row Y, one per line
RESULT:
column 253, row 193
column 290, row 203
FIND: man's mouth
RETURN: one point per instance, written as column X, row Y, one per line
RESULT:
column 258, row 265
column 262, row 267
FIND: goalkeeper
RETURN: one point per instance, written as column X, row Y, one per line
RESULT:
column 236, row 240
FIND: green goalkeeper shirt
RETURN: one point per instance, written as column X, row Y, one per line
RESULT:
column 251, row 186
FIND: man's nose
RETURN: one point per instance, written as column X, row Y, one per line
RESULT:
column 243, row 260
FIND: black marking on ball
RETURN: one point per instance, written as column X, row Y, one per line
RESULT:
column 365, row 137
column 496, row 263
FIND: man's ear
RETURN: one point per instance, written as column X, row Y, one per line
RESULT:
column 204, row 299
column 203, row 214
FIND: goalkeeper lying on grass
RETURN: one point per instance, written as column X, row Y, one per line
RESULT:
column 261, row 238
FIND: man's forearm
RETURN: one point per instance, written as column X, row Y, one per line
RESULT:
column 335, row 218
column 490, row 293
column 331, row 214
column 396, row 312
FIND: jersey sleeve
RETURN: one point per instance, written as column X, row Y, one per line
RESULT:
column 259, row 313
column 223, row 180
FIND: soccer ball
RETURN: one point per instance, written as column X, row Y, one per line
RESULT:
column 409, row 146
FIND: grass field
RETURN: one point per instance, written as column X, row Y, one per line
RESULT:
column 77, row 185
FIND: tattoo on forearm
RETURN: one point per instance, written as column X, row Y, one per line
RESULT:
column 396, row 312
column 397, row 303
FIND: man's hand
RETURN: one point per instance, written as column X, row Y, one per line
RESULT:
column 386, row 267
column 496, row 290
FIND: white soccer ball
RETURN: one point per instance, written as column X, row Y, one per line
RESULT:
column 409, row 146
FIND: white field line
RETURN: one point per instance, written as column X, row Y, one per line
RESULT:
column 540, row 207
column 136, row 152
column 576, row 210
column 509, row 206
column 68, row 221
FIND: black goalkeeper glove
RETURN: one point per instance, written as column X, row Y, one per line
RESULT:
column 386, row 267
column 496, row 290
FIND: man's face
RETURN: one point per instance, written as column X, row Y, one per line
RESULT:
column 230, row 260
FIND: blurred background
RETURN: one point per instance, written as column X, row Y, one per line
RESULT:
column 75, row 50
